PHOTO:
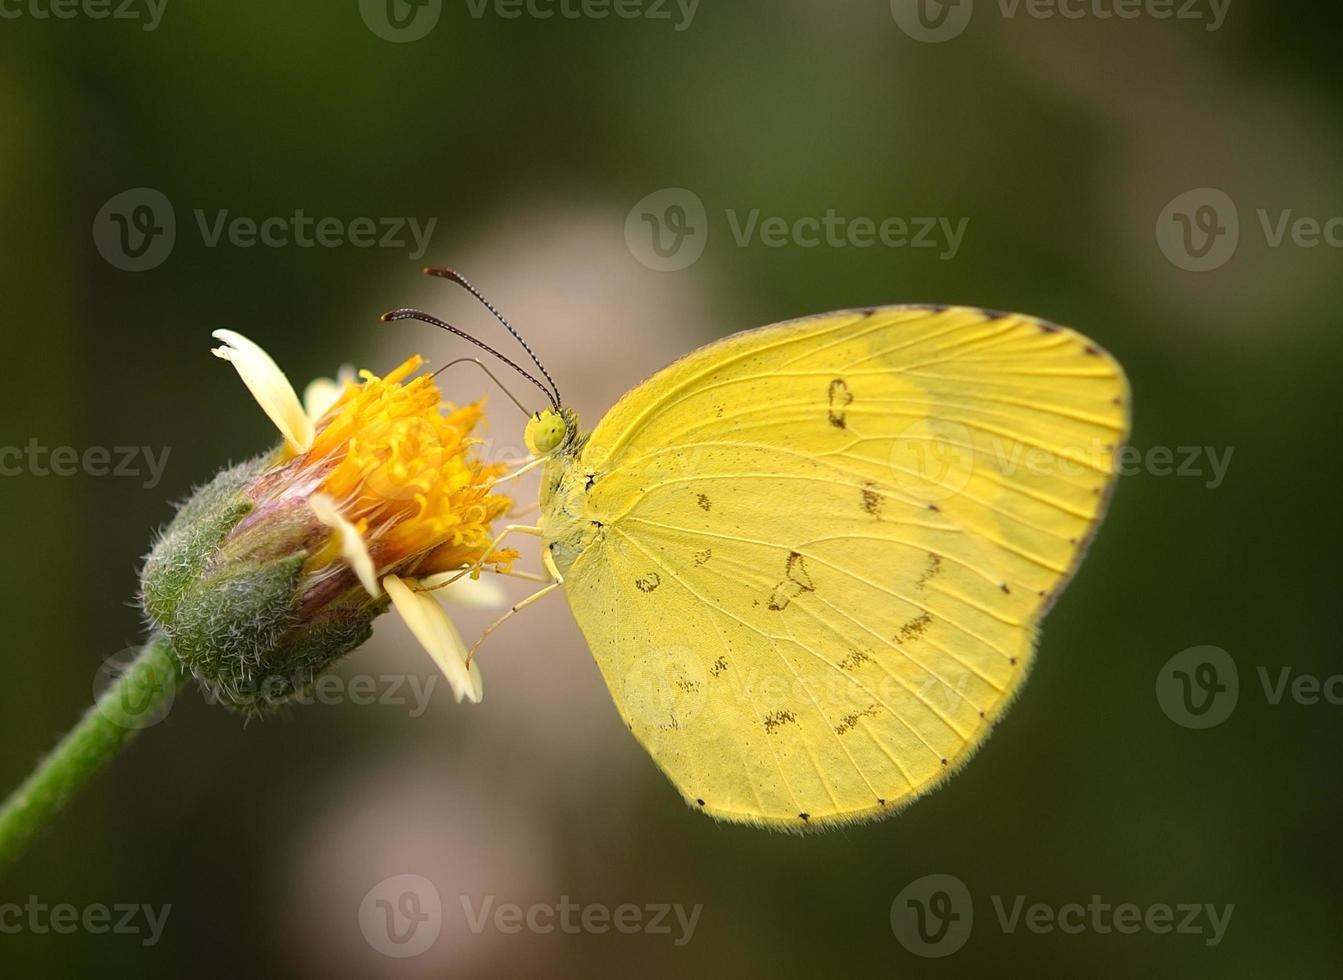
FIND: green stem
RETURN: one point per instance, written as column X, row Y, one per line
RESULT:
column 147, row 686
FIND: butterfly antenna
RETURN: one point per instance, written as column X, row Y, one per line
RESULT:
column 493, row 377
column 411, row 314
column 452, row 275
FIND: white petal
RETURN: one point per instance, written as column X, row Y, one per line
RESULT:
column 322, row 393
column 352, row 547
column 268, row 386
column 479, row 593
column 477, row 689
column 431, row 626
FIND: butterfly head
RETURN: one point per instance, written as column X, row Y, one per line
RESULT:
column 550, row 430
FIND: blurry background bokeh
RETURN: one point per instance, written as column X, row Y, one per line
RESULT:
column 1069, row 147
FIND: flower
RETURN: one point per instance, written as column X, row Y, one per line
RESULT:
column 375, row 499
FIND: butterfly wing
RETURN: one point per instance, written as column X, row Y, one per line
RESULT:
column 816, row 553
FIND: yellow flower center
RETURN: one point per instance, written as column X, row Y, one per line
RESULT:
column 401, row 465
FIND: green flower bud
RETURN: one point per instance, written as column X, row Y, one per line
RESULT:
column 238, row 584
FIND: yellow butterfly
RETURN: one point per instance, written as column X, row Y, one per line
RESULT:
column 810, row 559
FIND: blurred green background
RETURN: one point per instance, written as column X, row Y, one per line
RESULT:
column 530, row 140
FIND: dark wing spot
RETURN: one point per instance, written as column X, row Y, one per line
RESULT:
column 839, row 399
column 915, row 627
column 704, row 502
column 718, row 667
column 1012, row 661
column 805, row 817
column 589, row 481
column 932, row 571
column 776, row 718
column 1048, row 328
column 1091, row 350
column 699, row 801
column 934, row 507
column 854, row 658
column 649, row 582
column 796, row 580
column 702, row 556
column 849, row 721
column 1006, row 590
column 872, row 500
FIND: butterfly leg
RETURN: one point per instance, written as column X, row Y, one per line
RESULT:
column 516, row 607
column 447, row 578
column 556, row 582
column 520, row 470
